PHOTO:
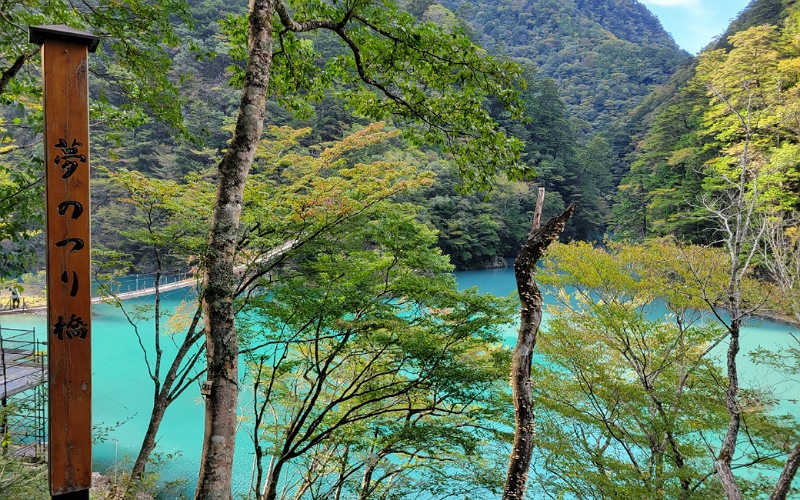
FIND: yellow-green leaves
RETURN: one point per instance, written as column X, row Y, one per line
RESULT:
column 753, row 99
column 294, row 195
column 166, row 216
column 627, row 381
column 652, row 274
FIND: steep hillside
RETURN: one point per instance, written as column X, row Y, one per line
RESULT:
column 756, row 13
column 683, row 135
column 605, row 55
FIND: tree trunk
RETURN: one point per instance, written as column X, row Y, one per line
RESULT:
column 342, row 474
column 159, row 403
column 725, row 456
column 163, row 398
column 271, row 491
column 787, row 475
column 530, row 317
column 256, row 483
column 734, row 305
column 17, row 65
column 163, row 394
column 149, row 442
column 222, row 346
column 366, row 482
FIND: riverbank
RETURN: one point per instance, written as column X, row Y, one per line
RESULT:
column 39, row 304
column 778, row 318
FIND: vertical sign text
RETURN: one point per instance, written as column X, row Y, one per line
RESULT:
column 66, row 144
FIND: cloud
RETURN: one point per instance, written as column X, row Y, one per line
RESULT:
column 672, row 3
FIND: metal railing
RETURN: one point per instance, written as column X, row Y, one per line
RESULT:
column 23, row 401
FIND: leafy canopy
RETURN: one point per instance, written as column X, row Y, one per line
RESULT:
column 435, row 84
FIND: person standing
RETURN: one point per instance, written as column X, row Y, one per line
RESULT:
column 14, row 298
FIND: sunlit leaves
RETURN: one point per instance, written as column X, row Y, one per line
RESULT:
column 738, row 114
column 375, row 359
column 156, row 215
column 434, row 83
column 752, row 95
column 295, row 196
column 626, row 379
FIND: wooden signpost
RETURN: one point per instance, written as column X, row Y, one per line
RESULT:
column 66, row 165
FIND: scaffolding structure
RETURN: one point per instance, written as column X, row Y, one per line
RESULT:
column 23, row 394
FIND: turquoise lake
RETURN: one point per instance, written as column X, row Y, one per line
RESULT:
column 123, row 392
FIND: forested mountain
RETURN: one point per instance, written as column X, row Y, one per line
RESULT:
column 593, row 63
column 594, row 42
column 589, row 63
column 601, row 58
column 605, row 55
column 315, row 239
column 735, row 105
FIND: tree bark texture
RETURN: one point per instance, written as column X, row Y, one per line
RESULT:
column 725, row 456
column 530, row 316
column 149, row 441
column 222, row 346
column 734, row 306
column 784, row 483
column 271, row 490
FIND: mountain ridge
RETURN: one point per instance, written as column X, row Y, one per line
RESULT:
column 606, row 55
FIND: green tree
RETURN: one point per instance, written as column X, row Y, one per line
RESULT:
column 160, row 225
column 20, row 200
column 745, row 87
column 411, row 71
column 570, row 170
column 633, row 393
column 357, row 262
column 163, row 221
column 475, row 230
column 658, row 196
column 133, row 62
column 379, row 377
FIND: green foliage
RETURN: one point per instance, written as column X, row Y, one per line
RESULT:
column 152, row 219
column 133, row 62
column 20, row 194
column 626, row 381
column 133, row 56
column 757, row 13
column 658, row 196
column 19, row 479
column 433, row 83
column 475, row 230
column 321, row 97
column 753, row 91
column 605, row 55
column 365, row 356
column 571, row 169
column 735, row 114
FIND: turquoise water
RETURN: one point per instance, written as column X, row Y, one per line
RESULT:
column 123, row 392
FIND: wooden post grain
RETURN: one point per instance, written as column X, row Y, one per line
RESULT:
column 66, row 165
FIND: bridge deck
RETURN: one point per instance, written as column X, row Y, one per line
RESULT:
column 122, row 296
column 20, row 372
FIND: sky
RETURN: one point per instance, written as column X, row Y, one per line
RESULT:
column 694, row 23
